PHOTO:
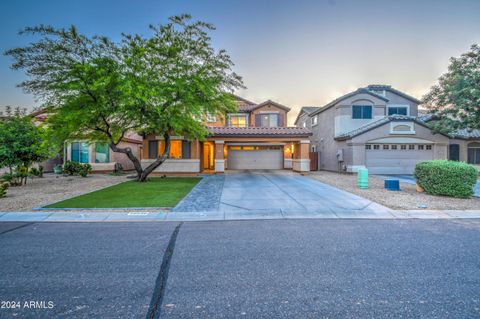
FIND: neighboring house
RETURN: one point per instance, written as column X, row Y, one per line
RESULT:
column 464, row 146
column 97, row 154
column 256, row 136
column 376, row 127
column 100, row 156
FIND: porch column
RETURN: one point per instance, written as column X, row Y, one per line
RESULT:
column 301, row 162
column 219, row 158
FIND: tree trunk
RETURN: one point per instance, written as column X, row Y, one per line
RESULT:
column 159, row 161
column 142, row 174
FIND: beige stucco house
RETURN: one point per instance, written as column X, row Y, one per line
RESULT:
column 377, row 127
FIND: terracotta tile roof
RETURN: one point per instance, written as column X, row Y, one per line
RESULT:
column 258, row 131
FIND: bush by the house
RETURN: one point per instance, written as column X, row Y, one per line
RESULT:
column 36, row 172
column 3, row 189
column 73, row 168
column 448, row 178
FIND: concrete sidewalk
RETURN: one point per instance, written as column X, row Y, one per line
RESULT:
column 157, row 216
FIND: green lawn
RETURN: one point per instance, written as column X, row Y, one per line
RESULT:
column 157, row 192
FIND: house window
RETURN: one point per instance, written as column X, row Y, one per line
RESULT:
column 376, row 147
column 368, row 147
column 428, row 147
column 394, row 147
column 79, row 152
column 313, row 148
column 102, row 153
column 304, row 124
column 411, row 147
column 237, row 120
column 178, row 149
column 473, row 153
column 420, row 147
column 386, row 146
column 152, row 149
column 398, row 110
column 361, row 111
column 211, row 117
column 314, row 120
column 403, row 147
column 269, row 120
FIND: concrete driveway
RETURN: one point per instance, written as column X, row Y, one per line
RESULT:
column 276, row 194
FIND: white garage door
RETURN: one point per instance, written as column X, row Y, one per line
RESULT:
column 396, row 159
column 249, row 157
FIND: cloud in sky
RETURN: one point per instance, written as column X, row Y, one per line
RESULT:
column 295, row 52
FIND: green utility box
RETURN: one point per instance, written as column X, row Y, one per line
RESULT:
column 362, row 178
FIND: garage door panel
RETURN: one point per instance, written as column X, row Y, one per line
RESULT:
column 395, row 161
column 255, row 159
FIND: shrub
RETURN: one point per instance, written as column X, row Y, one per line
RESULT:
column 73, row 168
column 3, row 189
column 36, row 172
column 449, row 178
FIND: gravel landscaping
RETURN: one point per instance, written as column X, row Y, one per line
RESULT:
column 42, row 191
column 407, row 198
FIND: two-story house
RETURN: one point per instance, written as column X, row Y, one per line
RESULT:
column 376, row 127
column 256, row 136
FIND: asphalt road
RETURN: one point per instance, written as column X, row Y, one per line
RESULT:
column 243, row 269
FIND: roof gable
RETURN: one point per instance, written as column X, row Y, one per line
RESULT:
column 346, row 96
column 270, row 102
column 306, row 110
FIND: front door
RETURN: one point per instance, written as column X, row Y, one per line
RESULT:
column 208, row 155
column 454, row 152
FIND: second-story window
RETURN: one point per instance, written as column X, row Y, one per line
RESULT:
column 237, row 120
column 314, row 120
column 400, row 110
column 211, row 117
column 270, row 120
column 361, row 111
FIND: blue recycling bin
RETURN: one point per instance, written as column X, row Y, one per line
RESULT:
column 392, row 184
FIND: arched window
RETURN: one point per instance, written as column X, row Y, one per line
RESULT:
column 474, row 153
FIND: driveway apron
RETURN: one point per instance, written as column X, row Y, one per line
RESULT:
column 280, row 194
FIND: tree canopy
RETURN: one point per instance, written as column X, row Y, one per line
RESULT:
column 21, row 142
column 99, row 90
column 455, row 99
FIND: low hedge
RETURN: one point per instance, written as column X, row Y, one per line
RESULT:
column 448, row 178
column 73, row 168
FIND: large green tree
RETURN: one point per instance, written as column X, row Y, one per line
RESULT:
column 455, row 99
column 98, row 89
column 21, row 143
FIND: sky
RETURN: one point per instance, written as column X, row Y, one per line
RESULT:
column 296, row 53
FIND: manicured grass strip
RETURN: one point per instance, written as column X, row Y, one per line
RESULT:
column 157, row 192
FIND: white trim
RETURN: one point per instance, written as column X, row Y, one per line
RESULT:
column 219, row 142
column 394, row 124
column 304, row 141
